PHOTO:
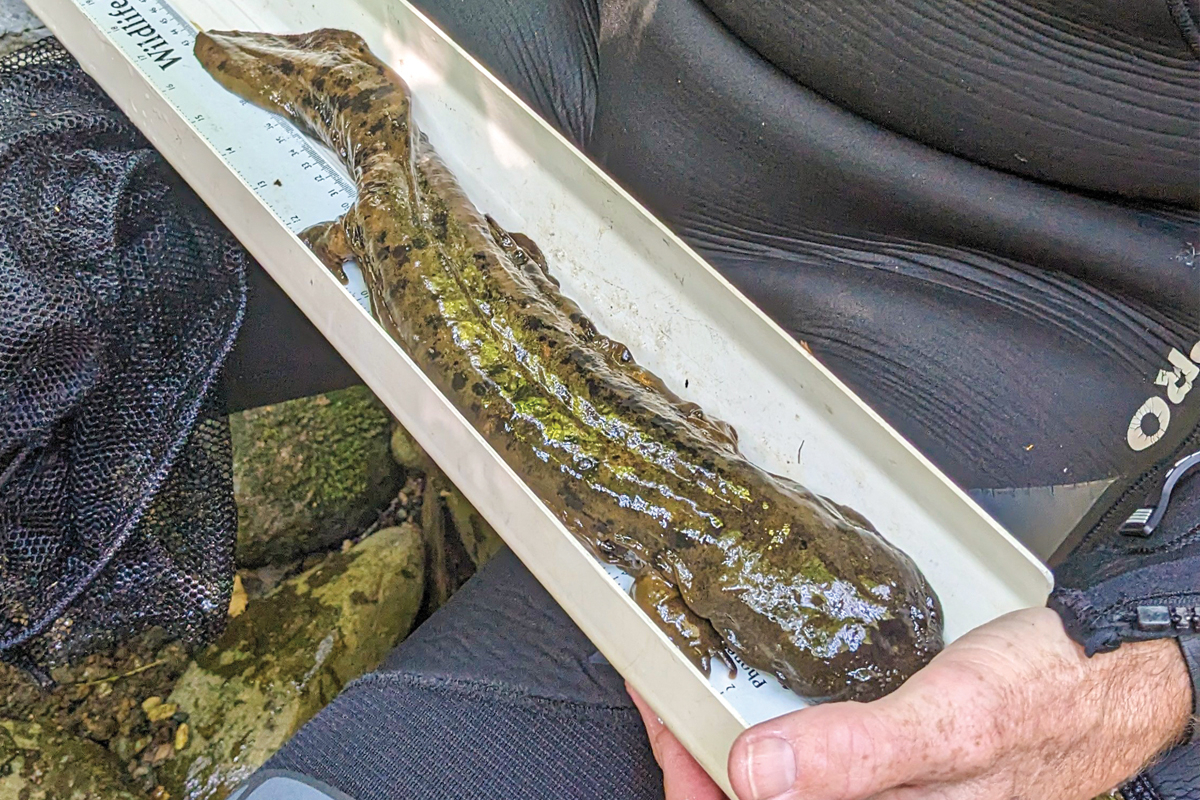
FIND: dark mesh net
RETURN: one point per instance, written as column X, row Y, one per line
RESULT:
column 120, row 296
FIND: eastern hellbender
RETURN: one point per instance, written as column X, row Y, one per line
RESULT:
column 724, row 554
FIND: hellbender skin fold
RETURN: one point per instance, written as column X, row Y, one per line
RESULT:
column 724, row 554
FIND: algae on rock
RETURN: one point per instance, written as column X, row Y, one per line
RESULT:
column 39, row 762
column 309, row 473
column 288, row 656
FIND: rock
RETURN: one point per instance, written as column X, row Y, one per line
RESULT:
column 18, row 26
column 309, row 473
column 291, row 652
column 16, row 17
column 156, row 710
column 40, row 762
column 478, row 538
column 407, row 452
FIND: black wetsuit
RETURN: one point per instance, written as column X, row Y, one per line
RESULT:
column 981, row 215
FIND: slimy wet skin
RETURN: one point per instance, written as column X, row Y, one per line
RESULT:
column 724, row 554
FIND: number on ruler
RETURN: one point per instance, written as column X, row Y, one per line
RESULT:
column 260, row 185
column 306, row 165
column 334, row 192
column 319, row 178
column 294, row 219
column 198, row 118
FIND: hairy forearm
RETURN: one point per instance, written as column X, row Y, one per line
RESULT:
column 1108, row 716
column 1150, row 692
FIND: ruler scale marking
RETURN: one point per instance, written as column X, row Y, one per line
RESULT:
column 300, row 184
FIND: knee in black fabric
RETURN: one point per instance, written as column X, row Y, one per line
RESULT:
column 495, row 697
column 1007, row 328
column 502, row 628
column 544, row 51
column 1005, row 375
column 1025, row 87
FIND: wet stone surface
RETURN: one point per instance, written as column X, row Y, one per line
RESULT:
column 40, row 762
column 287, row 656
column 479, row 540
column 341, row 579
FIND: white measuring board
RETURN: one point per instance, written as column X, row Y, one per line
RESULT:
column 294, row 176
column 632, row 275
column 302, row 183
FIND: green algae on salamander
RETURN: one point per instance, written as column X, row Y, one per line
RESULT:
column 724, row 554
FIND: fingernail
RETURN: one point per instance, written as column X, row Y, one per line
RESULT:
column 770, row 767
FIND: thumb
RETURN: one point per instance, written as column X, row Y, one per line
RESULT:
column 841, row 751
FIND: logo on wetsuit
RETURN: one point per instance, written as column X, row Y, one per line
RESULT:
column 1150, row 421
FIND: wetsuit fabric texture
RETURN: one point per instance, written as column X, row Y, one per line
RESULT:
column 1091, row 95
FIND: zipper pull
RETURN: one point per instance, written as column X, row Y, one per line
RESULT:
column 1144, row 520
column 1157, row 619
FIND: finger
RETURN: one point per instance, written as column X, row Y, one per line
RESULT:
column 854, row 751
column 683, row 778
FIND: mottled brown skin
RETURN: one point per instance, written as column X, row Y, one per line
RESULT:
column 724, row 554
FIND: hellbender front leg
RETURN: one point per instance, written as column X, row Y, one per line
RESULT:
column 328, row 241
column 692, row 634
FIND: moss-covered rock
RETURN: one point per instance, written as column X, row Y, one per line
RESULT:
column 478, row 538
column 309, row 473
column 287, row 656
column 40, row 762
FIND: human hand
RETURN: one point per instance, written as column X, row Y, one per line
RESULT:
column 1011, row 711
